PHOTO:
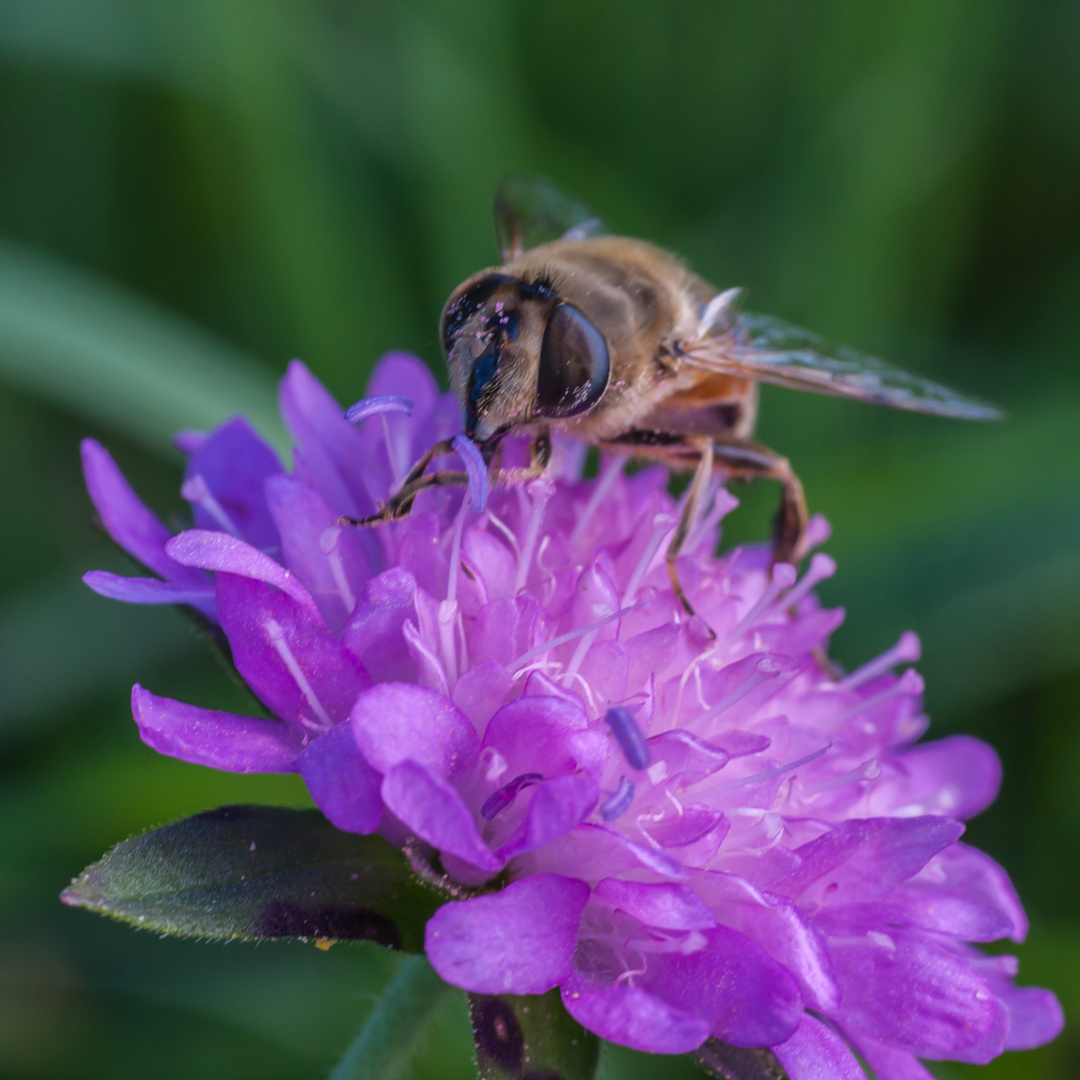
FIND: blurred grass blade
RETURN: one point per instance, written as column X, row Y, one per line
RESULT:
column 59, row 642
column 386, row 1044
column 258, row 872
column 111, row 356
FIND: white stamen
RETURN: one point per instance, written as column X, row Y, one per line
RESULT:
column 766, row 775
column 867, row 771
column 820, row 569
column 583, row 646
column 277, row 639
column 455, row 551
column 723, row 503
column 909, row 683
column 395, row 467
column 609, row 472
column 525, row 658
column 411, row 632
column 662, row 525
column 906, row 651
column 328, row 545
column 196, row 490
column 629, row 975
column 765, row 668
column 539, row 491
column 506, row 531
column 586, row 689
column 783, row 576
column 447, row 618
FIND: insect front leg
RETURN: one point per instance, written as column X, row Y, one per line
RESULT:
column 539, row 458
column 415, row 481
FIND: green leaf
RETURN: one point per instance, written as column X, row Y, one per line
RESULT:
column 259, row 872
column 93, row 348
column 393, row 1032
column 727, row 1062
column 522, row 1037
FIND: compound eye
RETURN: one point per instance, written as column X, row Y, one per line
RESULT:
column 574, row 364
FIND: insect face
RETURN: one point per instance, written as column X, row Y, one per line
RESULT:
column 518, row 354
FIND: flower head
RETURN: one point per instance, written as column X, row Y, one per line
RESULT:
column 693, row 827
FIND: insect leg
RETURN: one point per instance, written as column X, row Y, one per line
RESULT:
column 750, row 461
column 402, row 502
column 696, row 491
column 539, row 457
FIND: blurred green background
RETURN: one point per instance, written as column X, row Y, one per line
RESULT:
column 193, row 192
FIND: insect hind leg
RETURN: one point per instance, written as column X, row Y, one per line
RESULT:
column 747, row 460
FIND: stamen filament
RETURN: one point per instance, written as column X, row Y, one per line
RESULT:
column 196, row 490
column 662, row 525
column 766, row 668
column 906, row 651
column 612, row 466
column 766, row 775
column 562, row 639
column 540, row 491
column 277, row 639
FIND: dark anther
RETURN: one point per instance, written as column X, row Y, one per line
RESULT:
column 500, row 799
column 629, row 736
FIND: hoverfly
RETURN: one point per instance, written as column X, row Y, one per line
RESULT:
column 615, row 341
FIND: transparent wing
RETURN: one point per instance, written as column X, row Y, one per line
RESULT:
column 766, row 349
column 530, row 211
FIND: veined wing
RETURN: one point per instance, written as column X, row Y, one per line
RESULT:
column 530, row 211
column 766, row 349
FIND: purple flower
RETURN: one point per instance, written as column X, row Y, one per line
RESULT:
column 699, row 829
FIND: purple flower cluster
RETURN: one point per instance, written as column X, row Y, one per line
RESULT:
column 702, row 829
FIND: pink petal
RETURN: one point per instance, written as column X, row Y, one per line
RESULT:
column 286, row 654
column 749, row 999
column 633, row 1017
column 779, row 927
column 958, row 776
column 666, row 906
column 233, row 461
column 548, row 735
column 1035, row 1017
column 904, row 989
column 432, row 808
column 395, row 722
column 889, row 1063
column 143, row 590
column 816, row 1052
column 328, row 558
column 128, row 521
column 220, row 740
column 557, row 806
column 344, row 786
column 221, row 552
column 333, row 453
column 862, row 858
column 374, row 630
column 518, row 941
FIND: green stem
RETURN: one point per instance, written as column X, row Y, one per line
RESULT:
column 530, row 1038
column 727, row 1062
column 386, row 1043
